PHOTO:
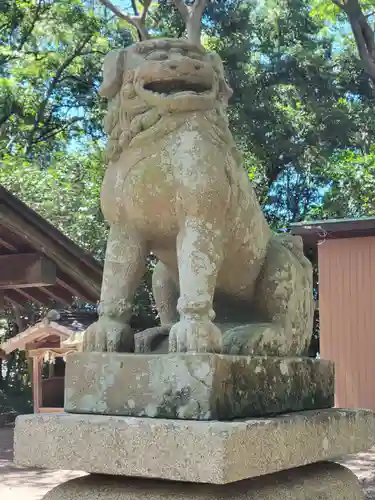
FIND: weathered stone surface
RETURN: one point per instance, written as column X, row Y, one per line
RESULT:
column 187, row 450
column 324, row 481
column 195, row 386
column 175, row 186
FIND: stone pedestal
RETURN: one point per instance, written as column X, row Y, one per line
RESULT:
column 200, row 450
column 186, row 450
column 138, row 458
column 325, row 481
column 195, row 386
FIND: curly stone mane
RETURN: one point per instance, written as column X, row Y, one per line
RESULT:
column 127, row 116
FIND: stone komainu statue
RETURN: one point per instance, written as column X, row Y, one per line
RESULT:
column 174, row 186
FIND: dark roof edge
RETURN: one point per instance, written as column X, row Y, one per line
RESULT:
column 315, row 231
column 27, row 213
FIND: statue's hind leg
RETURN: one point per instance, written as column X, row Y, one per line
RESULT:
column 284, row 301
column 166, row 294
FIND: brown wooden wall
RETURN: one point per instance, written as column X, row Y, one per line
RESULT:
column 53, row 392
column 347, row 317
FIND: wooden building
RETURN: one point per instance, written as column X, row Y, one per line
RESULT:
column 39, row 264
column 346, row 266
column 46, row 345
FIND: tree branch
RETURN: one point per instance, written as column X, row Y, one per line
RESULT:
column 137, row 20
column 363, row 35
column 365, row 46
column 91, row 52
column 183, row 10
column 52, row 86
column 53, row 133
column 28, row 32
column 339, row 4
column 134, row 7
column 192, row 16
column 199, row 7
column 146, row 6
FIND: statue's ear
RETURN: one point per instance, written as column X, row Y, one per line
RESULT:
column 224, row 90
column 113, row 68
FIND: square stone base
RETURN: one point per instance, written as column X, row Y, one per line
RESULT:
column 187, row 450
column 195, row 386
column 324, row 481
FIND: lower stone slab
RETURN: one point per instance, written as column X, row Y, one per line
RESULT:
column 325, row 481
column 195, row 386
column 201, row 452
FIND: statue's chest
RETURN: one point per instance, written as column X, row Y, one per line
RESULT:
column 142, row 192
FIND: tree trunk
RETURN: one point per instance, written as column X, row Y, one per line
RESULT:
column 363, row 35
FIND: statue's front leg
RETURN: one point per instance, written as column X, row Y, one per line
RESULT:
column 124, row 266
column 199, row 254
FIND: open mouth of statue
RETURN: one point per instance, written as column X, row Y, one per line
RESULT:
column 171, row 87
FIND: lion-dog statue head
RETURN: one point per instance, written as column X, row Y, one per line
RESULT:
column 159, row 77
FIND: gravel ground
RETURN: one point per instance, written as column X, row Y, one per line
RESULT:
column 32, row 484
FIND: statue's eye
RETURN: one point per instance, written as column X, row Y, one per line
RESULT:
column 143, row 49
column 158, row 55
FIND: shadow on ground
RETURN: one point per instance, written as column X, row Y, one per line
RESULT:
column 363, row 466
column 33, row 484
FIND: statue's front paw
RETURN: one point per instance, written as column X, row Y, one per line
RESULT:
column 110, row 335
column 195, row 336
column 94, row 338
